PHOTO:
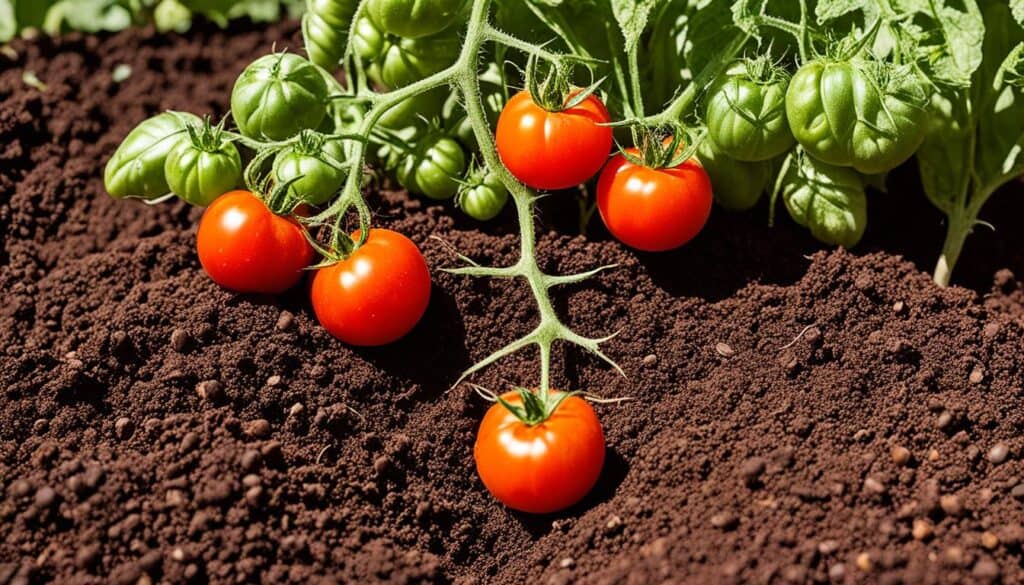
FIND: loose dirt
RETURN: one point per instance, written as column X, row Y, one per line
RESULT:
column 797, row 416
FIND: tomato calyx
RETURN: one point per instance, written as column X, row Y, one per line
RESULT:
column 537, row 407
column 661, row 148
column 552, row 89
column 206, row 137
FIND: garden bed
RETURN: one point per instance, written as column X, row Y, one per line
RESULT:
column 797, row 415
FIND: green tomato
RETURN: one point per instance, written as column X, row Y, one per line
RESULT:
column 413, row 19
column 137, row 167
column 424, row 106
column 746, row 113
column 398, row 61
column 201, row 173
column 325, row 27
column 277, row 96
column 735, row 185
column 827, row 199
column 484, row 199
column 860, row 115
column 320, row 179
column 434, row 168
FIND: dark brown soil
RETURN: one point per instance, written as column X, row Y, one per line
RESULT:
column 831, row 417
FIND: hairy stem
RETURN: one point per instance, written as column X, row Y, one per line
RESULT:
column 956, row 234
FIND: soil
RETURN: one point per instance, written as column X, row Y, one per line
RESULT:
column 798, row 415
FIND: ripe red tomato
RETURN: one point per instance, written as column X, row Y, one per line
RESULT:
column 377, row 294
column 541, row 468
column 247, row 248
column 553, row 150
column 653, row 209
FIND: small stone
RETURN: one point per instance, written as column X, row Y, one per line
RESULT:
column 285, row 321
column 724, row 350
column 837, row 572
column 296, row 410
column 211, row 390
column 752, row 469
column 250, row 459
column 45, row 497
column 864, row 562
column 827, row 547
column 922, row 529
column 1018, row 491
column 253, row 495
column 650, row 359
column 953, row 556
column 724, row 521
column 215, row 492
column 977, row 376
column 990, row 330
column 151, row 560
column 613, row 525
column 951, row 504
column 258, row 428
column 567, row 563
column 898, row 307
column 174, row 498
column 123, row 428
column 933, row 455
column 989, row 540
column 998, row 453
column 178, row 554
column 274, row 380
column 251, row 480
column 874, row 486
column 944, row 420
column 900, row 455
column 986, row 570
column 189, row 442
column 180, row 340
column 87, row 556
column 382, row 464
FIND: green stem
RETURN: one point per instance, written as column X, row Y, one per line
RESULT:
column 956, row 234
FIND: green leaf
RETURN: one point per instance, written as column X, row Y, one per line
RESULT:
column 828, row 10
column 8, row 26
column 1017, row 7
column 632, row 17
column 950, row 36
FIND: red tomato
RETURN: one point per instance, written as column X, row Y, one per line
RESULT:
column 542, row 468
column 245, row 247
column 553, row 150
column 653, row 209
column 377, row 294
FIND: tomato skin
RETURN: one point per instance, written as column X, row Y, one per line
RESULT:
column 413, row 19
column 544, row 468
column 653, row 209
column 246, row 248
column 278, row 95
column 377, row 294
column 553, row 150
column 137, row 167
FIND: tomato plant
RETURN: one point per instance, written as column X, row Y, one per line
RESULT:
column 400, row 61
column 203, row 166
column 325, row 27
column 539, row 454
column 746, row 111
column 247, row 248
column 653, row 209
column 376, row 294
column 483, row 197
column 137, row 167
column 312, row 166
column 434, row 168
column 553, row 149
column 735, row 185
column 413, row 19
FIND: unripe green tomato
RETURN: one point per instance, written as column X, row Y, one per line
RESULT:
column 277, row 96
column 413, row 19
column 433, row 170
column 827, row 199
column 325, row 27
column 484, row 200
column 398, row 61
column 320, row 180
column 746, row 117
column 424, row 106
column 735, row 185
column 842, row 114
column 200, row 175
column 137, row 167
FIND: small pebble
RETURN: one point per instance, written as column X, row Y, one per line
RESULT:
column 40, row 426
column 211, row 390
column 953, row 556
column 990, row 330
column 258, row 428
column 86, row 556
column 274, row 380
column 827, row 547
column 1018, row 491
column 250, row 459
column 382, row 464
column 986, row 570
column 752, row 469
column 253, row 495
column 724, row 520
column 178, row 554
column 977, row 376
column 944, row 420
column 998, row 453
column 900, row 455
column 285, row 320
column 922, row 529
column 864, row 561
column 613, row 525
column 567, row 563
column 296, row 409
column 933, row 455
column 189, row 442
column 951, row 504
column 180, row 340
column 650, row 359
column 45, row 497
column 898, row 307
column 837, row 572
column 123, row 428
column 724, row 350
column 989, row 540
column 251, row 480
column 874, row 486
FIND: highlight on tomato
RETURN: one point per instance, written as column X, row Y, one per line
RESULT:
column 539, row 452
column 552, row 136
column 247, row 248
column 655, row 200
column 376, row 294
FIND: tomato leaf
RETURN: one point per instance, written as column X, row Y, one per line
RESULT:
column 1017, row 6
column 950, row 36
column 8, row 26
column 632, row 16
